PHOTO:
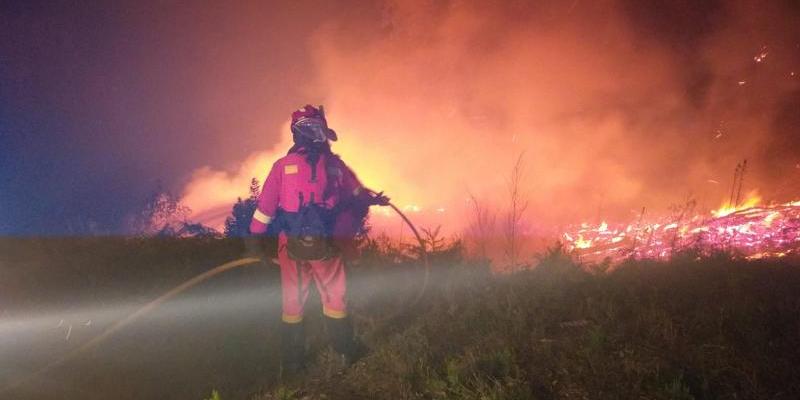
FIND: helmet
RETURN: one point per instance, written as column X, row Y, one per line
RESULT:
column 309, row 125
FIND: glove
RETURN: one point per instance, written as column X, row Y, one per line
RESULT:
column 379, row 199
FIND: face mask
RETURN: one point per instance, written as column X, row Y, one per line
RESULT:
column 311, row 129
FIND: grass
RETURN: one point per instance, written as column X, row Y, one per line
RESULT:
column 688, row 329
column 711, row 328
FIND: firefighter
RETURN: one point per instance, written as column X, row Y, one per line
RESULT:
column 315, row 204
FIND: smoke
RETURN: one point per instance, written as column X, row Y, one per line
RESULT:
column 614, row 104
column 210, row 193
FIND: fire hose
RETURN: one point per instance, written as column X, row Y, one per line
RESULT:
column 423, row 250
column 147, row 308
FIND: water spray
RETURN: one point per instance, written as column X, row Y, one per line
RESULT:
column 152, row 305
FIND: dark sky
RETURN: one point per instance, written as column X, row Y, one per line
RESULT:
column 101, row 104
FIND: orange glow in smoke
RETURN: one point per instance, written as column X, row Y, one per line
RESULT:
column 434, row 103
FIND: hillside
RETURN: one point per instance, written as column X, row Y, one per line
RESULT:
column 690, row 328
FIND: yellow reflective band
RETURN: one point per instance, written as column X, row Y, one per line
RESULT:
column 335, row 314
column 290, row 169
column 261, row 217
column 292, row 319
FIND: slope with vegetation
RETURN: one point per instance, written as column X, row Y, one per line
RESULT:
column 691, row 328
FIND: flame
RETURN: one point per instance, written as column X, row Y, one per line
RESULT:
column 581, row 243
column 756, row 232
column 770, row 218
column 752, row 200
column 437, row 101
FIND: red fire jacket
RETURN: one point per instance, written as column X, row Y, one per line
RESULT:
column 292, row 177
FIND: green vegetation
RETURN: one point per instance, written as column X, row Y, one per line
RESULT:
column 214, row 395
column 687, row 329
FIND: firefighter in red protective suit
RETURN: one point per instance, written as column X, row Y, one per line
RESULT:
column 316, row 205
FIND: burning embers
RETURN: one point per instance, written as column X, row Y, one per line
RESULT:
column 749, row 230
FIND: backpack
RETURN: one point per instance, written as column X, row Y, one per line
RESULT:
column 309, row 232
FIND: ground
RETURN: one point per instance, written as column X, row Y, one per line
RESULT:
column 714, row 327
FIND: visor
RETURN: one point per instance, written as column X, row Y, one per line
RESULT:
column 313, row 129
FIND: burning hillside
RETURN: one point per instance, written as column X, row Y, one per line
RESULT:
column 434, row 102
column 749, row 230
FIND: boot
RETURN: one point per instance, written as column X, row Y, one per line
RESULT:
column 293, row 348
column 343, row 341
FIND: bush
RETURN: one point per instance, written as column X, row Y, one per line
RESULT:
column 687, row 329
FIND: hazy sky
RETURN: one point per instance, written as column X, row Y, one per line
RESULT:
column 99, row 104
column 616, row 103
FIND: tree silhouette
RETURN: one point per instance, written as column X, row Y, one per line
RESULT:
column 164, row 215
column 238, row 223
column 197, row 230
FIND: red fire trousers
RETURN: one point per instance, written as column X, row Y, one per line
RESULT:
column 296, row 275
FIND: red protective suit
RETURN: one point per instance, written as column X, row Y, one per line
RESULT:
column 290, row 176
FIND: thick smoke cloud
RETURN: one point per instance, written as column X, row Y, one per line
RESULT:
column 614, row 105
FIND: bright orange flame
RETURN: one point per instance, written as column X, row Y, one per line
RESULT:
column 581, row 243
column 770, row 218
column 752, row 200
column 433, row 104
